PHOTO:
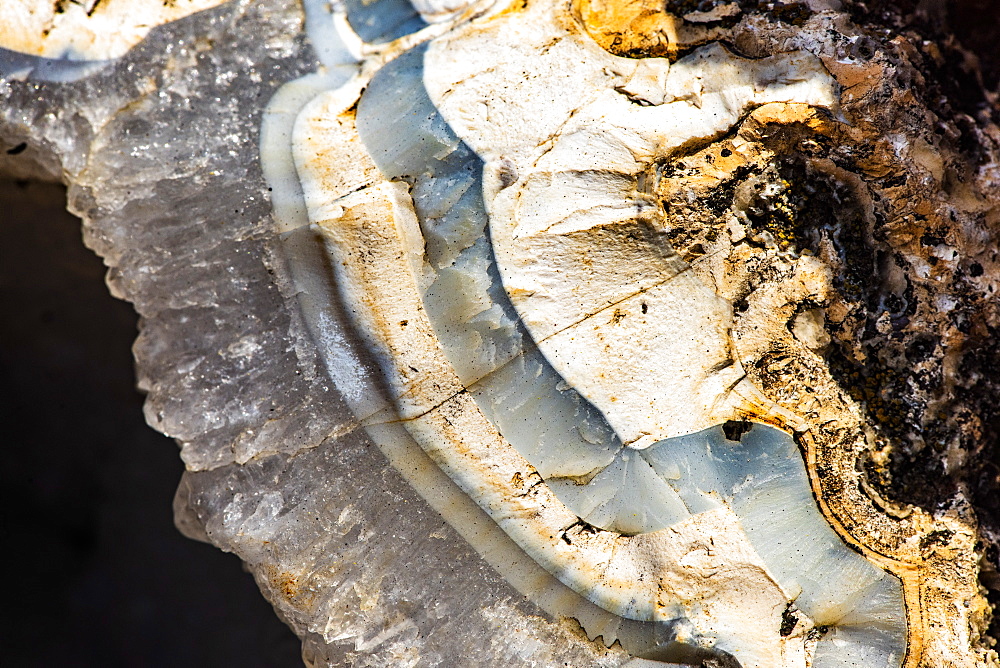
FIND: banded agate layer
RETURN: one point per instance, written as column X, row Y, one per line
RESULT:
column 709, row 536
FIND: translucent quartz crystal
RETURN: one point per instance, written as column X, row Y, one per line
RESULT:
column 759, row 475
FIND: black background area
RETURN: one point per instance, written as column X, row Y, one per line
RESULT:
column 97, row 575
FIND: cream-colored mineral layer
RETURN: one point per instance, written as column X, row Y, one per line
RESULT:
column 89, row 30
column 600, row 199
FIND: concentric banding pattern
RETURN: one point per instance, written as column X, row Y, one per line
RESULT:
column 760, row 476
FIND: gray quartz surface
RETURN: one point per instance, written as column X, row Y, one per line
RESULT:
column 102, row 577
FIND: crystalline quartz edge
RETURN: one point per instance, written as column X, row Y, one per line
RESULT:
column 331, row 561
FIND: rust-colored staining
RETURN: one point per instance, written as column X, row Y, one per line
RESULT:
column 288, row 586
column 512, row 8
column 290, row 589
column 631, row 28
column 650, row 28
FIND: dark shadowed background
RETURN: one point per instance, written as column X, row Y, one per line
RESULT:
column 97, row 575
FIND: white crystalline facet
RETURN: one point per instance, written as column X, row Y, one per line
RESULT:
column 648, row 377
column 576, row 241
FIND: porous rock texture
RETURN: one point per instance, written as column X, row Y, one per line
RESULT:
column 899, row 194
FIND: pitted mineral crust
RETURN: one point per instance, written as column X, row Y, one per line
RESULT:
column 841, row 213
